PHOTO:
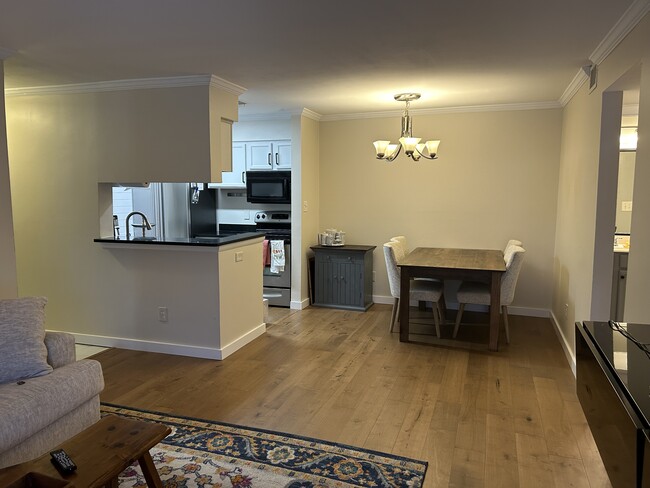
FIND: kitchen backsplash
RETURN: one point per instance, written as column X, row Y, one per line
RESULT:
column 232, row 207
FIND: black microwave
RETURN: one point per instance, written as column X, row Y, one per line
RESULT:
column 268, row 186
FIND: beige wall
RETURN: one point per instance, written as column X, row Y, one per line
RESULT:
column 574, row 263
column 495, row 179
column 310, row 171
column 8, row 283
column 93, row 290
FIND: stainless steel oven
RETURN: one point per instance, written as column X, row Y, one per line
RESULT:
column 276, row 226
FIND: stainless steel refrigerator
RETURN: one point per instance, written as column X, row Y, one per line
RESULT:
column 187, row 210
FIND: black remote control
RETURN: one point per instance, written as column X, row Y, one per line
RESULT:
column 62, row 461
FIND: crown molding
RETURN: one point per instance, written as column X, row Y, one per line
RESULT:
column 263, row 117
column 6, row 53
column 622, row 28
column 226, row 85
column 282, row 115
column 577, row 81
column 445, row 110
column 133, row 84
column 310, row 114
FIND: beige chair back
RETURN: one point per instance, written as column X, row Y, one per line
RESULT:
column 404, row 249
column 509, row 280
column 507, row 252
column 391, row 249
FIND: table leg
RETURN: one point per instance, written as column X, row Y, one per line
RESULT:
column 405, row 292
column 149, row 471
column 495, row 308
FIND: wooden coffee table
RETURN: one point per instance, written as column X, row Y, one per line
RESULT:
column 101, row 453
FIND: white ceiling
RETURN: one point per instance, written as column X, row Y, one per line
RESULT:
column 331, row 57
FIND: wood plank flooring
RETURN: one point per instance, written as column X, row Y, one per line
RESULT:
column 481, row 419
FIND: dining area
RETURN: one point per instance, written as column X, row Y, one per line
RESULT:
column 485, row 277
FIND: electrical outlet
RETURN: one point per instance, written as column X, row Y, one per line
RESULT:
column 626, row 206
column 239, row 256
column 566, row 311
column 163, row 315
column 305, row 206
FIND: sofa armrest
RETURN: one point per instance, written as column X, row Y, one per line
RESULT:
column 60, row 348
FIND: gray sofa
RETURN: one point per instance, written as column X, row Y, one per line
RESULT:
column 38, row 413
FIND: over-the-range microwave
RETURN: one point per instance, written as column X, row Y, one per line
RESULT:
column 268, row 186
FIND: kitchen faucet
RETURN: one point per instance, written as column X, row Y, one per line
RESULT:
column 145, row 222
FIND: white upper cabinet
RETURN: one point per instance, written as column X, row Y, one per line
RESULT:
column 269, row 155
column 237, row 177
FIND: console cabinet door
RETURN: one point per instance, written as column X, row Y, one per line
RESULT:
column 343, row 279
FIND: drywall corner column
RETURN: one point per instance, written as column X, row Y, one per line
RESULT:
column 297, row 256
column 310, row 210
column 610, row 128
column 224, row 110
column 8, row 279
column 638, row 274
column 241, row 311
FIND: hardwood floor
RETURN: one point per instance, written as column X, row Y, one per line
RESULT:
column 494, row 419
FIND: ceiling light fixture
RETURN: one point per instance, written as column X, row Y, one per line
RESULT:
column 412, row 146
column 628, row 139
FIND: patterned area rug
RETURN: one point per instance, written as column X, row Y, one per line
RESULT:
column 200, row 453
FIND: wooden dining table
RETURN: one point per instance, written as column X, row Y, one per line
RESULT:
column 483, row 265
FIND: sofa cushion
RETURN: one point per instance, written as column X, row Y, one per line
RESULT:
column 32, row 405
column 22, row 339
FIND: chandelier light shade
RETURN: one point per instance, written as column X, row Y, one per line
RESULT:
column 412, row 146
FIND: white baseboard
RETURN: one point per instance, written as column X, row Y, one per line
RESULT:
column 570, row 356
column 237, row 344
column 170, row 348
column 299, row 304
column 383, row 300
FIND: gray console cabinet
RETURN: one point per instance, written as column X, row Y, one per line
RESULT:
column 343, row 277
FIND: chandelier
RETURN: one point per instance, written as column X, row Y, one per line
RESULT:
column 412, row 146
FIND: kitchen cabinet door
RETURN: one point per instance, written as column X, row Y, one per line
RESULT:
column 237, row 177
column 269, row 155
column 282, row 155
column 260, row 156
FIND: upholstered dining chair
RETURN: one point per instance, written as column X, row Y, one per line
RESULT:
column 401, row 240
column 479, row 293
column 507, row 251
column 421, row 290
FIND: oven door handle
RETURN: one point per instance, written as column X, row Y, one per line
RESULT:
column 271, row 295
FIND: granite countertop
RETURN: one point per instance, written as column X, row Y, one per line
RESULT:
column 213, row 241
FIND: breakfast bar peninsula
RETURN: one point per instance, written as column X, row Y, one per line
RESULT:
column 198, row 297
